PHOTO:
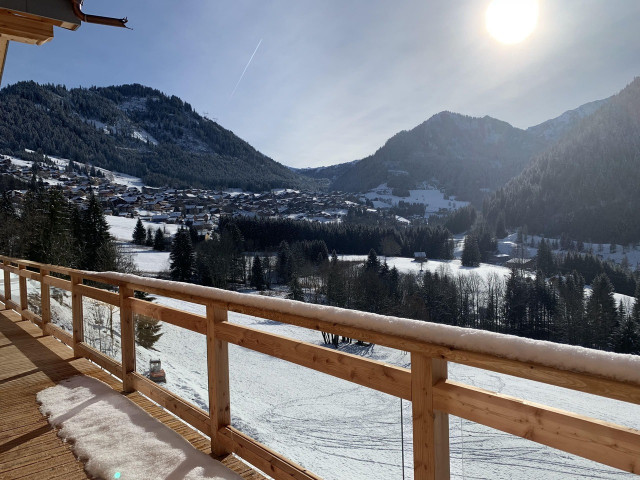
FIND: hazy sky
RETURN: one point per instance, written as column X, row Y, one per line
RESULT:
column 332, row 80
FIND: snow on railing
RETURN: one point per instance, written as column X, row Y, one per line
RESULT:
column 426, row 385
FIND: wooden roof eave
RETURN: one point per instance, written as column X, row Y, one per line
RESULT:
column 4, row 46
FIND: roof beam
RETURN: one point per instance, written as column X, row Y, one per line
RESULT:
column 23, row 29
column 4, row 46
column 56, row 12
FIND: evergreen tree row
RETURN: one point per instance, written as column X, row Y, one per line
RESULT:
column 266, row 235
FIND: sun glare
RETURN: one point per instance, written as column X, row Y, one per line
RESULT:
column 511, row 21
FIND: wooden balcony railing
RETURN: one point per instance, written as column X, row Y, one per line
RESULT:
column 433, row 396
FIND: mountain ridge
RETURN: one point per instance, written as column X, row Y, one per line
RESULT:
column 586, row 184
column 492, row 152
column 137, row 130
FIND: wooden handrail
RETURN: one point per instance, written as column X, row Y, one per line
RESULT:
column 433, row 396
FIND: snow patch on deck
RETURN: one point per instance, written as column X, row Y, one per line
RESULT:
column 117, row 439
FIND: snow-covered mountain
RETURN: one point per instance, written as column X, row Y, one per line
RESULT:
column 554, row 129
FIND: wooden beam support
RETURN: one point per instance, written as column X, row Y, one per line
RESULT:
column 4, row 47
column 218, row 369
column 98, row 294
column 430, row 428
column 45, row 300
column 56, row 332
column 603, row 442
column 22, row 283
column 190, row 321
column 23, row 272
column 77, row 314
column 270, row 462
column 23, row 29
column 191, row 414
column 57, row 282
column 7, row 281
column 128, row 339
column 379, row 376
column 96, row 356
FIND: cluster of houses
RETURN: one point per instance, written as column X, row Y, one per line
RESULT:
column 192, row 207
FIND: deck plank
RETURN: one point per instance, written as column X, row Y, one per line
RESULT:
column 29, row 447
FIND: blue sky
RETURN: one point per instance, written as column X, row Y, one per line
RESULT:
column 333, row 80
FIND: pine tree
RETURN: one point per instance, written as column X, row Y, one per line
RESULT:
column 372, row 264
column 336, row 285
column 546, row 263
column 626, row 337
column 149, row 241
column 147, row 331
column 295, row 290
column 139, row 233
column 257, row 275
column 515, row 304
column 181, row 257
column 501, row 230
column 601, row 313
column 570, row 323
column 158, row 240
column 97, row 241
column 284, row 266
column 471, row 252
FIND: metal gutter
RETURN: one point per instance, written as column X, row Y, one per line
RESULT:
column 113, row 22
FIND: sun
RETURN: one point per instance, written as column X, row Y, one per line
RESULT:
column 511, row 21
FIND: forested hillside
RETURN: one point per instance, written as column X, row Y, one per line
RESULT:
column 587, row 185
column 136, row 130
column 463, row 155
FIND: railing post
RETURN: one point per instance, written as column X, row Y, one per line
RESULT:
column 45, row 301
column 7, row 284
column 430, row 428
column 22, row 282
column 128, row 339
column 218, row 370
column 77, row 314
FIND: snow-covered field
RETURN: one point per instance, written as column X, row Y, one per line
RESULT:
column 451, row 267
column 432, row 198
column 148, row 260
column 632, row 253
column 122, row 227
column 115, row 177
column 340, row 430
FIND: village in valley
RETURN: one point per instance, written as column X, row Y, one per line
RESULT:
column 125, row 196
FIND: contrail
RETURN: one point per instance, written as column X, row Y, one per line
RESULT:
column 245, row 69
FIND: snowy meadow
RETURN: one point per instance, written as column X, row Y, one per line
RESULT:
column 335, row 428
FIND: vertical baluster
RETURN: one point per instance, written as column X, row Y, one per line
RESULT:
column 218, row 370
column 128, row 339
column 7, row 284
column 430, row 428
column 77, row 314
column 22, row 282
column 45, row 301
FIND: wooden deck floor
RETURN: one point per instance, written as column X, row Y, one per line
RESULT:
column 29, row 447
